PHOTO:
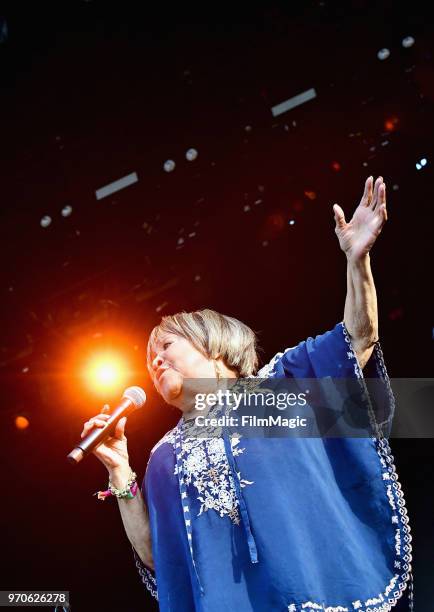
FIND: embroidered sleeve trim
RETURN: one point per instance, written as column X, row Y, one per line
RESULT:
column 148, row 577
column 403, row 577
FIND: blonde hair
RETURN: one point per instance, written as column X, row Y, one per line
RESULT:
column 214, row 335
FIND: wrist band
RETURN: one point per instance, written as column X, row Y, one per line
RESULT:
column 128, row 492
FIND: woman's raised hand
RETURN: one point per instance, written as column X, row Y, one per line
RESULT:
column 357, row 237
column 113, row 452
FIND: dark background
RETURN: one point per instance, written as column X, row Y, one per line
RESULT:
column 92, row 91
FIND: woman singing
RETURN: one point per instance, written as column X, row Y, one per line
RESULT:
column 260, row 524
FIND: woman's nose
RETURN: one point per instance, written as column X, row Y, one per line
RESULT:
column 158, row 361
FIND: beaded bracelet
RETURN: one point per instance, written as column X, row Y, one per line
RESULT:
column 128, row 492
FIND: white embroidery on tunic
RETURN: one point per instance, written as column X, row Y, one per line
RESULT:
column 206, row 467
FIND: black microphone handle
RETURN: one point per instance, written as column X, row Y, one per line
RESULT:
column 95, row 437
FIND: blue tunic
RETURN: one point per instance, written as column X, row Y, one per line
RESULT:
column 293, row 524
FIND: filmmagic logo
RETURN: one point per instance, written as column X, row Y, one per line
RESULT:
column 250, row 421
column 281, row 401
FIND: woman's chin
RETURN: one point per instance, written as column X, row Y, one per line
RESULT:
column 171, row 385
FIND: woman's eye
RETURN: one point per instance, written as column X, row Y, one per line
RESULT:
column 166, row 344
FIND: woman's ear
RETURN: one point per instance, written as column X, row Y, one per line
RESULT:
column 218, row 372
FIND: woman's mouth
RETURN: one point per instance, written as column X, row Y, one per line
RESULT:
column 160, row 372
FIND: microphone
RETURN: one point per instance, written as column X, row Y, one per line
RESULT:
column 133, row 398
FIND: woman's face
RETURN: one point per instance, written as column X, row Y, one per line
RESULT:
column 177, row 359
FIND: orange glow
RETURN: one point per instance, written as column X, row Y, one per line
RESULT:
column 391, row 124
column 21, row 422
column 310, row 194
column 105, row 372
column 100, row 364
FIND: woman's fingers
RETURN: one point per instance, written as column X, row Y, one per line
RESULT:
column 382, row 203
column 380, row 208
column 367, row 193
column 382, row 193
column 91, row 424
column 339, row 216
column 98, row 421
column 378, row 182
column 120, row 428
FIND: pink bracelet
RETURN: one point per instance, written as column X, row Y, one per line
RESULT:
column 132, row 493
column 129, row 492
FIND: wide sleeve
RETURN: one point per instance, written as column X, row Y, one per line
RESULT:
column 331, row 355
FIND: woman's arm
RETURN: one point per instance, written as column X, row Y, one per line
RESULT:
column 356, row 239
column 135, row 518
column 360, row 314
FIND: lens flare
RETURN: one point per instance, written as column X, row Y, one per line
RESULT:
column 105, row 373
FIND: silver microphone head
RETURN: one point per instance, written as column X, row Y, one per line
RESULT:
column 136, row 395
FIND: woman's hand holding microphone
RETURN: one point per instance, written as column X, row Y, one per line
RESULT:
column 113, row 452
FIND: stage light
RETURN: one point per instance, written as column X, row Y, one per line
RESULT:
column 408, row 42
column 310, row 194
column 169, row 165
column 66, row 211
column 21, row 422
column 421, row 163
column 105, row 372
column 291, row 103
column 121, row 183
column 191, row 154
column 383, row 54
column 391, row 123
column 45, row 221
